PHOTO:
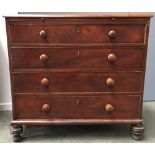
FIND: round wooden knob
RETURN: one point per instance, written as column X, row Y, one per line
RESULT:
column 44, row 58
column 111, row 57
column 110, row 82
column 43, row 33
column 112, row 34
column 46, row 108
column 45, row 82
column 109, row 107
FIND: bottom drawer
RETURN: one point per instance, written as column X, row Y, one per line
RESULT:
column 77, row 107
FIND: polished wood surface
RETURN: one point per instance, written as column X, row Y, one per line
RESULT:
column 43, row 58
column 51, row 58
column 78, row 14
column 67, row 107
column 75, row 121
column 112, row 57
column 44, row 82
column 109, row 107
column 112, row 34
column 77, row 69
column 43, row 33
column 75, row 34
column 110, row 82
column 46, row 108
column 78, row 82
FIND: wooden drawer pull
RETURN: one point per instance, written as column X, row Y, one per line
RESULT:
column 110, row 82
column 46, row 108
column 43, row 34
column 109, row 107
column 111, row 57
column 45, row 82
column 112, row 34
column 43, row 58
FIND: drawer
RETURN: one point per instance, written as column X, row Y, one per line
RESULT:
column 51, row 58
column 77, row 34
column 76, row 107
column 77, row 82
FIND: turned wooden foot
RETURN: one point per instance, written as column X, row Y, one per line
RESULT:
column 137, row 131
column 16, row 130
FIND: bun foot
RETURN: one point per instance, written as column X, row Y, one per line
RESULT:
column 17, row 138
column 137, row 131
column 16, row 130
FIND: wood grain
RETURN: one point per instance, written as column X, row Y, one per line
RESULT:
column 60, row 65
column 77, row 82
column 77, row 107
column 69, row 34
column 29, row 58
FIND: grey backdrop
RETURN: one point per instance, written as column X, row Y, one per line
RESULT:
column 149, row 89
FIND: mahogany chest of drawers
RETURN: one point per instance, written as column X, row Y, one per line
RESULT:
column 77, row 69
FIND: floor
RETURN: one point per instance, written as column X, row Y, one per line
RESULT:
column 79, row 134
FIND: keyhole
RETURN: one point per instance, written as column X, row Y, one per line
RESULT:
column 78, row 29
column 77, row 101
column 77, row 52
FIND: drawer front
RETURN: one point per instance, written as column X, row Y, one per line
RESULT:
column 77, row 34
column 77, row 107
column 51, row 58
column 77, row 82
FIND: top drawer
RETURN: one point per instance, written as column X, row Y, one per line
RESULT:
column 77, row 34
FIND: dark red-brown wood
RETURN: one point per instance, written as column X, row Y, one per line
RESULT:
column 77, row 107
column 77, row 82
column 77, row 69
column 74, row 34
column 51, row 58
